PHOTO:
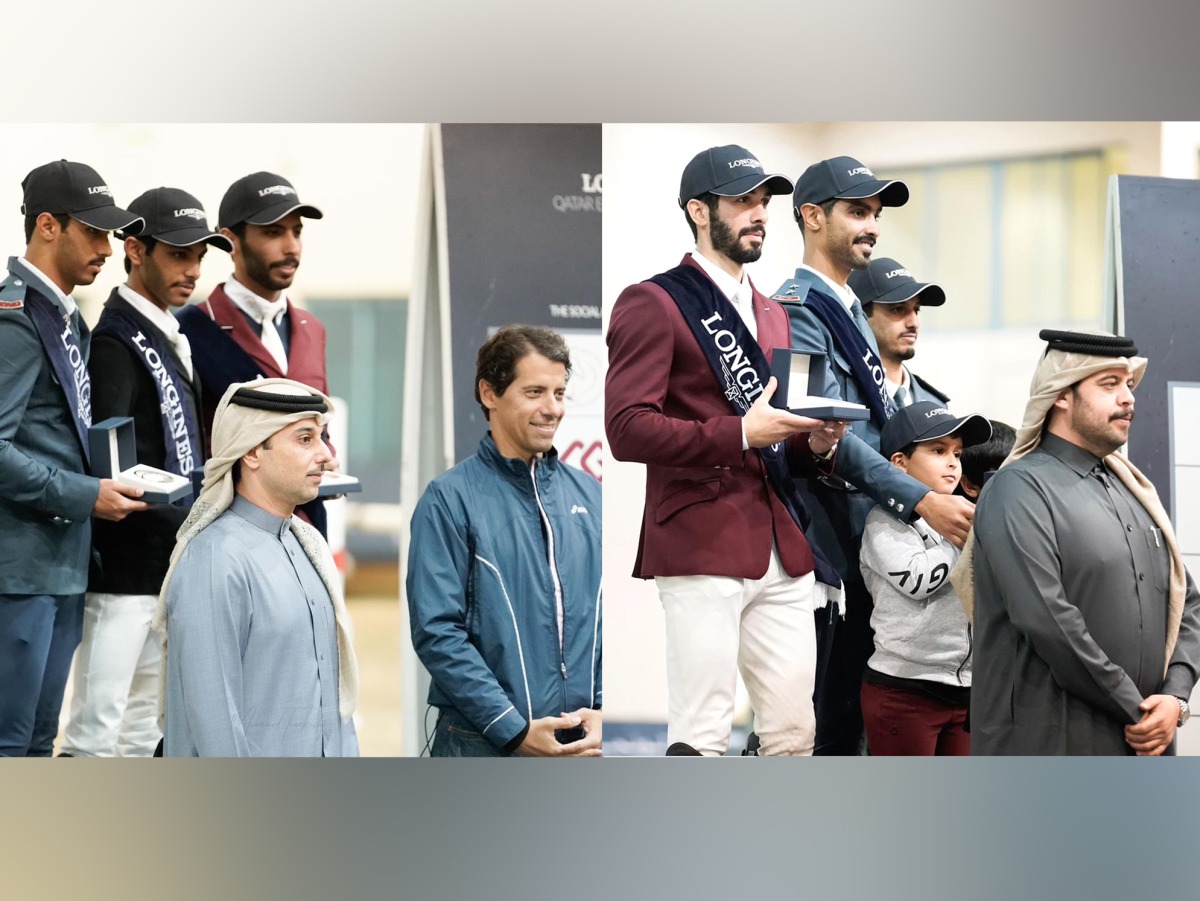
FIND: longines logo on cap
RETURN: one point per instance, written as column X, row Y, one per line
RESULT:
column 896, row 272
column 276, row 189
column 861, row 170
column 752, row 163
column 191, row 212
column 940, row 411
column 100, row 189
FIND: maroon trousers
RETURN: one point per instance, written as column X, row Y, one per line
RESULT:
column 911, row 724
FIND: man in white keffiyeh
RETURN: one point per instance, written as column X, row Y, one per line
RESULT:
column 259, row 659
column 1087, row 624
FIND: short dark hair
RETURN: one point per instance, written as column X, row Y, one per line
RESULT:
column 31, row 223
column 711, row 200
column 497, row 361
column 239, row 229
column 149, row 243
column 979, row 459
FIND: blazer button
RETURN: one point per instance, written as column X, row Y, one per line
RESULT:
column 899, row 508
column 891, row 502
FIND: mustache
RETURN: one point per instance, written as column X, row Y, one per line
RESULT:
column 286, row 261
column 1127, row 416
column 760, row 230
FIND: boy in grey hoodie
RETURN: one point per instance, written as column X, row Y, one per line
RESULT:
column 916, row 687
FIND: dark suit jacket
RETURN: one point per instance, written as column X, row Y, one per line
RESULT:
column 46, row 499
column 709, row 508
column 134, row 553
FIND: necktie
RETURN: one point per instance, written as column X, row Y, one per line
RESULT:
column 183, row 350
column 901, row 397
column 856, row 313
column 272, row 342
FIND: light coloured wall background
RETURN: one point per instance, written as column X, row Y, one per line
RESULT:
column 363, row 177
column 984, row 370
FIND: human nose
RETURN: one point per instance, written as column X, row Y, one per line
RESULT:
column 291, row 243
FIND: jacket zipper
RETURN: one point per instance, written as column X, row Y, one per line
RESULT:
column 558, row 593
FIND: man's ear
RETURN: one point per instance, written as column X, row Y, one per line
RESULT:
column 250, row 460
column 811, row 217
column 488, row 394
column 899, row 460
column 699, row 213
column 970, row 489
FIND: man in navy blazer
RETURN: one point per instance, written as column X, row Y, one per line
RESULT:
column 837, row 203
column 732, row 565
column 47, row 498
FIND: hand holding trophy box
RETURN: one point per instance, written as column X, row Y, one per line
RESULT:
column 800, row 376
column 113, row 448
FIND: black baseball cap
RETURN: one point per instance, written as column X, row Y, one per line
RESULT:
column 886, row 281
column 924, row 421
column 260, row 199
column 78, row 191
column 175, row 217
column 845, row 178
column 728, row 171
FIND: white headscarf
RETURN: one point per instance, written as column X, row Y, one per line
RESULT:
column 237, row 430
column 1058, row 371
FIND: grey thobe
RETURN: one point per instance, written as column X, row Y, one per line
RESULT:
column 252, row 658
column 1071, row 580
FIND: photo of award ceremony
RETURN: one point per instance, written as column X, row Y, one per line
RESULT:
column 904, row 447
column 281, row 465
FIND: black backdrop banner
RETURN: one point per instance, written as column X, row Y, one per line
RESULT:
column 523, row 210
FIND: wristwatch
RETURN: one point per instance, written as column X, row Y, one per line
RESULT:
column 1184, row 712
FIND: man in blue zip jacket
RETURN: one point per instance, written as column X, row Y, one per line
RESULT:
column 837, row 203
column 504, row 571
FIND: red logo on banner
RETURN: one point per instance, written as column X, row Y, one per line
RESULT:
column 589, row 457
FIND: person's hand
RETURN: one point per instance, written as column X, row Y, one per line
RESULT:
column 822, row 441
column 592, row 741
column 540, row 740
column 116, row 501
column 947, row 514
column 1152, row 734
column 766, row 425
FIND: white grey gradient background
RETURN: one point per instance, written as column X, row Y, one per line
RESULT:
column 642, row 828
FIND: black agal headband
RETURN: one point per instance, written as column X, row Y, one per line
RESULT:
column 279, row 403
column 1085, row 343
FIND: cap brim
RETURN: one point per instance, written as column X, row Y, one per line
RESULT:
column 931, row 295
column 973, row 429
column 186, row 237
column 273, row 214
column 111, row 219
column 890, row 193
column 776, row 184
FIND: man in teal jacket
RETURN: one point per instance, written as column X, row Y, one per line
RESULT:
column 47, row 498
column 504, row 571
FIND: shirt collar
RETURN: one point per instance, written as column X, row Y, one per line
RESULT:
column 844, row 293
column 66, row 301
column 729, row 285
column 160, row 319
column 1080, row 460
column 257, row 308
column 257, row 516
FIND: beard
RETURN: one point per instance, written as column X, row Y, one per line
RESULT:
column 725, row 242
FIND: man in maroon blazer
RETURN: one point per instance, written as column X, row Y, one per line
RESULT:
column 688, row 393
column 248, row 328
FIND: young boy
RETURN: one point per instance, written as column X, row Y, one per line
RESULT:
column 917, row 684
column 979, row 461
